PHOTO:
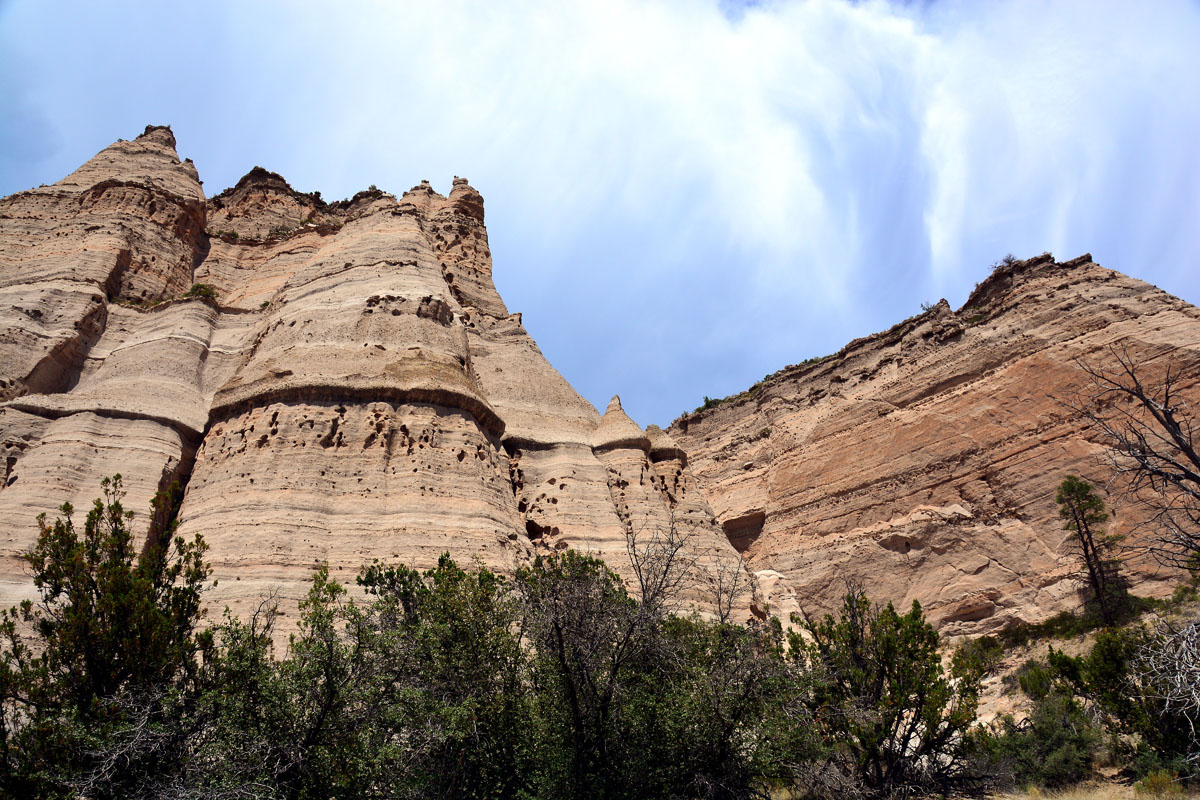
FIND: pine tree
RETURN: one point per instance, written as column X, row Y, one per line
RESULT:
column 1082, row 511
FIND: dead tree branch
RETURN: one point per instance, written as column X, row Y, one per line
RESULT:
column 1152, row 450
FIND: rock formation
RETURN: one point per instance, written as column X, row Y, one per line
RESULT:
column 923, row 461
column 342, row 384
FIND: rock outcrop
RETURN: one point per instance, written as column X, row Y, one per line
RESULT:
column 331, row 382
column 341, row 382
column 923, row 461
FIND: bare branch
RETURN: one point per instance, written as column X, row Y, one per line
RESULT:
column 1169, row 671
column 663, row 561
column 727, row 581
column 1152, row 450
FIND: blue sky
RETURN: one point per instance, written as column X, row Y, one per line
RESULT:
column 681, row 196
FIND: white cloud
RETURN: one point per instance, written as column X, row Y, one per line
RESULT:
column 680, row 199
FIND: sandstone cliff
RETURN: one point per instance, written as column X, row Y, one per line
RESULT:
column 356, row 390
column 923, row 461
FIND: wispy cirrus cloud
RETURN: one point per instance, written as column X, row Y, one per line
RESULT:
column 681, row 197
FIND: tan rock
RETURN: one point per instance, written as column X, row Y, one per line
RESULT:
column 127, row 226
column 923, row 461
column 357, row 390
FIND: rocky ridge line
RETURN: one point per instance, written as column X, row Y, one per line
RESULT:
column 922, row 461
column 346, row 385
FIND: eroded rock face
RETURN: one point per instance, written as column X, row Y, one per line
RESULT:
column 126, row 226
column 923, row 461
column 357, row 389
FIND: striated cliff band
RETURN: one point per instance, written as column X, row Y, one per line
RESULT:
column 339, row 382
column 923, row 461
column 344, row 385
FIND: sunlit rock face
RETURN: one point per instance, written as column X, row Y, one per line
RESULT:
column 922, row 462
column 357, row 389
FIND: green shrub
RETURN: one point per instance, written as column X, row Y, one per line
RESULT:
column 203, row 290
column 1123, row 694
column 882, row 701
column 1036, row 679
column 1159, row 784
column 1062, row 625
column 416, row 692
column 982, row 654
column 99, row 703
column 1052, row 748
column 457, row 683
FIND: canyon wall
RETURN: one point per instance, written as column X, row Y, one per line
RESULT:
column 344, row 385
column 922, row 462
column 341, row 382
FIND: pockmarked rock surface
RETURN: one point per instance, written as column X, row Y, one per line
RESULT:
column 350, row 387
column 922, row 462
column 346, row 385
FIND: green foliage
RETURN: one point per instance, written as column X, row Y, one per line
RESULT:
column 631, row 702
column 1036, row 679
column 461, row 683
column 1056, row 744
column 1076, row 699
column 591, row 641
column 1112, row 681
column 730, row 713
column 1159, row 783
column 416, row 693
column 1184, row 593
column 205, row 291
column 453, row 631
column 95, row 701
column 1054, row 747
column 1067, row 625
column 982, row 655
column 882, row 699
column 1061, row 626
column 1082, row 512
column 241, row 716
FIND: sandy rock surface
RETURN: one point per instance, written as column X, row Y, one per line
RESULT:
column 357, row 389
column 923, row 461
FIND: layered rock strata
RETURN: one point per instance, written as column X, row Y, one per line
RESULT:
column 349, row 387
column 922, row 462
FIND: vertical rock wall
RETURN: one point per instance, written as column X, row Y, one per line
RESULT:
column 357, row 389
